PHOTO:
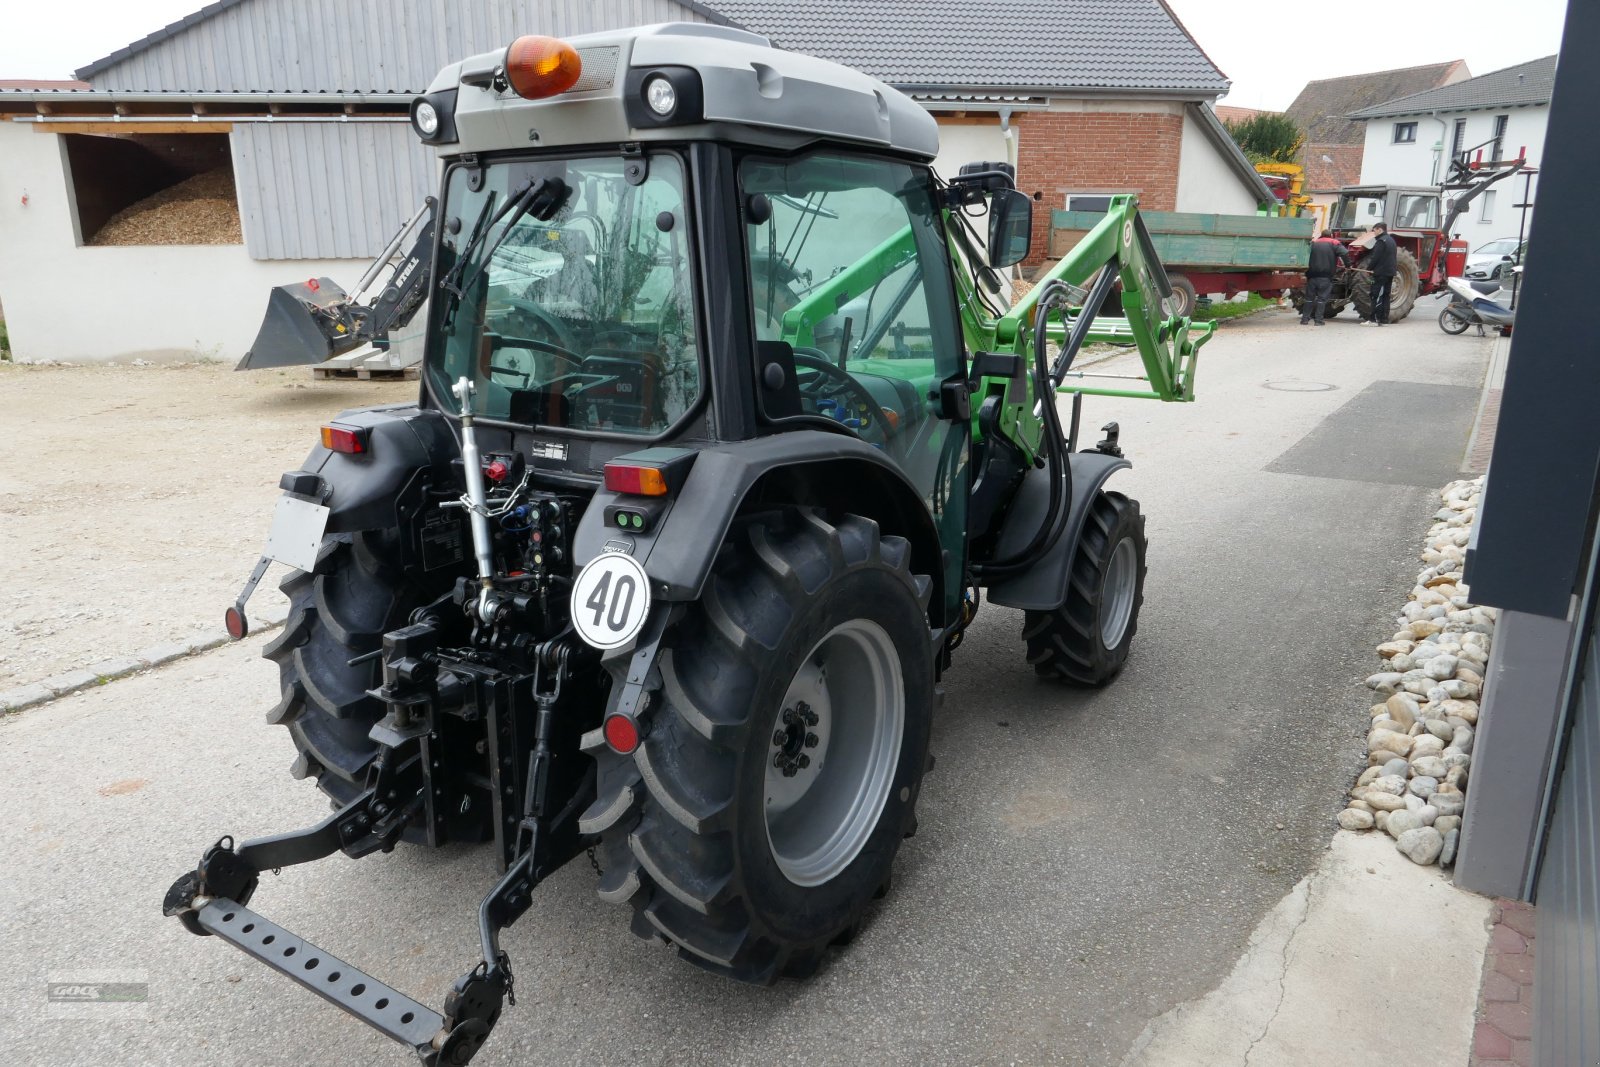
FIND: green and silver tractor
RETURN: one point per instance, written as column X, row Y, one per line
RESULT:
column 726, row 423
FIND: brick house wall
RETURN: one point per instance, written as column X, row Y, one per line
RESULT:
column 1062, row 152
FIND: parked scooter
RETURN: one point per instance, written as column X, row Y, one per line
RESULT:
column 1476, row 304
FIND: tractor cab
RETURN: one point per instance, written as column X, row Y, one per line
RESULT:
column 1401, row 208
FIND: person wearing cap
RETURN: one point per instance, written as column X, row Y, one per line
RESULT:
column 1381, row 262
column 1327, row 252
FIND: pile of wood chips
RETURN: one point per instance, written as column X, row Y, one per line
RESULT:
column 202, row 210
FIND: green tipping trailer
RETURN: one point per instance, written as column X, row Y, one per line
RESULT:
column 1206, row 254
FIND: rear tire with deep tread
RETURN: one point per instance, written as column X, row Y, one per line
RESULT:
column 338, row 611
column 1403, row 293
column 683, row 825
column 1068, row 644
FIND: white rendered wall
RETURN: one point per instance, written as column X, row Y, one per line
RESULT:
column 89, row 304
column 962, row 142
column 1387, row 163
column 1206, row 182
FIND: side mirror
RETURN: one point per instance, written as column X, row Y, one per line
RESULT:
column 1010, row 227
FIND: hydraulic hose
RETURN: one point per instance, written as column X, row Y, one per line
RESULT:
column 1058, row 510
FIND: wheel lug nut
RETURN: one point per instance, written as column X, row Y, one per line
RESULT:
column 777, row 760
column 805, row 760
column 811, row 740
column 789, row 772
column 778, row 737
column 811, row 718
column 788, row 716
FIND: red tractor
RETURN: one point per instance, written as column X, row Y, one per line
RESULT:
column 1426, row 254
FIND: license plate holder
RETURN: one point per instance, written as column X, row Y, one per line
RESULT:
column 296, row 532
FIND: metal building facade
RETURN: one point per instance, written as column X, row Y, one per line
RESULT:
column 327, row 190
column 1536, row 556
column 1567, row 978
column 351, row 45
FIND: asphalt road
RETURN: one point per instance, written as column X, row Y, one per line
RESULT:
column 1085, row 860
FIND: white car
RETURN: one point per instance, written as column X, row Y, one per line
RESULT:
column 1493, row 259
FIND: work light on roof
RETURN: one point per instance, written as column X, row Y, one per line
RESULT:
column 537, row 67
column 660, row 95
column 426, row 118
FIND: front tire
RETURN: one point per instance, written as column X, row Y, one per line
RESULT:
column 783, row 754
column 1085, row 642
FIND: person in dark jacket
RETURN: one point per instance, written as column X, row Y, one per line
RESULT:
column 1381, row 262
column 1327, row 251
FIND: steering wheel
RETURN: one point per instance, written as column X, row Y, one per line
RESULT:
column 873, row 427
column 557, row 331
column 571, row 359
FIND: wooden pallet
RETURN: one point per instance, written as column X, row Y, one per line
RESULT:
column 366, row 374
column 369, row 365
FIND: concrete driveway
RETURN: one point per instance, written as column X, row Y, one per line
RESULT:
column 1085, row 860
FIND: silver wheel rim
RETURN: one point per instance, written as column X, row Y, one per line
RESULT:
column 1116, row 593
column 833, row 752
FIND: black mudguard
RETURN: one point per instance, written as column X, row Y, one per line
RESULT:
column 1043, row 586
column 802, row 466
column 363, row 490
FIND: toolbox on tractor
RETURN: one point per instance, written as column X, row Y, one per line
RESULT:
column 726, row 423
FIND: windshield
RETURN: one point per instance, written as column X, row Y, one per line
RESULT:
column 582, row 319
column 1359, row 212
column 1503, row 247
column 1417, row 211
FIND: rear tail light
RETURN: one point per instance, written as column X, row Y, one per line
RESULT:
column 639, row 481
column 238, row 627
column 343, row 439
column 622, row 734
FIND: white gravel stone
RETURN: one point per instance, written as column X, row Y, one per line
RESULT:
column 1441, row 668
column 1401, row 821
column 1426, row 745
column 1354, row 819
column 1420, row 845
column 1393, row 784
column 1430, row 767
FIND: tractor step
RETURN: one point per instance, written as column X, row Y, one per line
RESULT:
column 380, row 1006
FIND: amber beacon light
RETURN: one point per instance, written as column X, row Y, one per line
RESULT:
column 537, row 67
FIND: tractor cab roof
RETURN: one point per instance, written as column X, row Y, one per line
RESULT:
column 726, row 84
column 1380, row 190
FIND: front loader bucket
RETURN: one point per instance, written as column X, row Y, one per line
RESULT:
column 306, row 322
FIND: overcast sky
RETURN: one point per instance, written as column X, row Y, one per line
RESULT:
column 1269, row 50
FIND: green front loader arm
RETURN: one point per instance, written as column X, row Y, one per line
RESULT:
column 1168, row 344
column 800, row 322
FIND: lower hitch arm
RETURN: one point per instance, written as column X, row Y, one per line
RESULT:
column 212, row 899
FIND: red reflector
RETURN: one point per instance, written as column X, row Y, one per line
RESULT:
column 238, row 627
column 640, row 481
column 496, row 471
column 339, row 439
column 622, row 734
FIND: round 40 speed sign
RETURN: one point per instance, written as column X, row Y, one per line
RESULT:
column 610, row 600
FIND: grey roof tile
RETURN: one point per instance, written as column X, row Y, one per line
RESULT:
column 997, row 44
column 1518, row 86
